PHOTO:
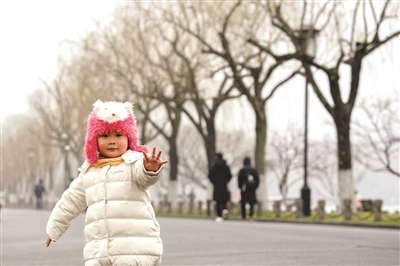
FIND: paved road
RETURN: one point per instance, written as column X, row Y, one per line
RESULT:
column 205, row 242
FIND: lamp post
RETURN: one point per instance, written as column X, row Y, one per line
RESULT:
column 308, row 44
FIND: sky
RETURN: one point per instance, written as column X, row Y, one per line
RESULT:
column 31, row 32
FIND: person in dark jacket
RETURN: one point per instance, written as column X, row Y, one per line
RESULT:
column 248, row 181
column 220, row 175
column 39, row 191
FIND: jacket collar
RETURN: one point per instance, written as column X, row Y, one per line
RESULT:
column 129, row 157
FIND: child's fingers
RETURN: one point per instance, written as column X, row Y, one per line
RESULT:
column 159, row 155
column 163, row 162
column 153, row 158
column 146, row 157
column 48, row 241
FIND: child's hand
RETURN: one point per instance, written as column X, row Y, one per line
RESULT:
column 48, row 241
column 153, row 162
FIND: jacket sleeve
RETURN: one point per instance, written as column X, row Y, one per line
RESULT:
column 143, row 177
column 71, row 204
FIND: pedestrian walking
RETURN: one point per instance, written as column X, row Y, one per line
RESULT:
column 220, row 175
column 248, row 181
column 39, row 191
column 120, row 224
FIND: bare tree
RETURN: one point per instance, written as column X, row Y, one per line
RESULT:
column 63, row 105
column 286, row 154
column 193, row 161
column 17, row 152
column 377, row 135
column 26, row 159
column 159, row 63
column 247, row 66
column 137, row 59
column 353, row 31
column 322, row 169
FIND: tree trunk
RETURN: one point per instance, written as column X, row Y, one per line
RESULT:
column 173, row 193
column 261, row 139
column 173, row 174
column 346, row 183
column 210, row 145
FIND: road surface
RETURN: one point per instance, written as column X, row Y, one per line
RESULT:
column 205, row 242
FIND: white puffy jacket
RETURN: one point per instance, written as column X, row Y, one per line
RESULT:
column 120, row 224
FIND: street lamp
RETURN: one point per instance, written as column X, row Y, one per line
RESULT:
column 308, row 42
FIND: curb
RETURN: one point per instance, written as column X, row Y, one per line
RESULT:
column 341, row 223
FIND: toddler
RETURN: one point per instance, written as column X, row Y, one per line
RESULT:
column 120, row 223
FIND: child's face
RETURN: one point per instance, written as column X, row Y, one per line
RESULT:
column 112, row 144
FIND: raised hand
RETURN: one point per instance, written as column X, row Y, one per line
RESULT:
column 153, row 162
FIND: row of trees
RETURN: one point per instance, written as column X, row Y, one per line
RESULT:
column 184, row 63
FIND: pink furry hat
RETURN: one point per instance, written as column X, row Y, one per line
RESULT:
column 108, row 117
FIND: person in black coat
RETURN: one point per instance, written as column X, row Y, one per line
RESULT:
column 219, row 175
column 248, row 181
column 39, row 191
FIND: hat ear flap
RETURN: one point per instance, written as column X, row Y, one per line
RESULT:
column 91, row 150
